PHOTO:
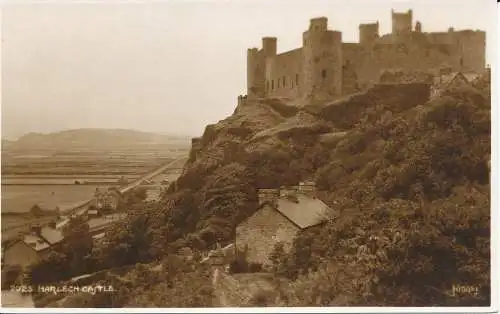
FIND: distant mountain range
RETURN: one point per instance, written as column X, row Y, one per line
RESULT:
column 92, row 138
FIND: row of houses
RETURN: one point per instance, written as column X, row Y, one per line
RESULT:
column 41, row 240
column 33, row 246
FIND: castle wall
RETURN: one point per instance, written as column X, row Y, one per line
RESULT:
column 473, row 46
column 255, row 72
column 351, row 54
column 439, row 38
column 325, row 68
column 404, row 56
column 283, row 74
column 368, row 33
column 322, row 68
column 402, row 22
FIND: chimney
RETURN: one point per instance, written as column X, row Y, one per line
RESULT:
column 308, row 188
column 289, row 191
column 268, row 195
column 36, row 230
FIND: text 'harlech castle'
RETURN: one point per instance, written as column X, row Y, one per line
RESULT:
column 326, row 68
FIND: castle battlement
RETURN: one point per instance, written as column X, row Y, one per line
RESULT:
column 326, row 68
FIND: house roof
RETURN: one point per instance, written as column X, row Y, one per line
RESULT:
column 446, row 79
column 306, row 213
column 51, row 235
column 307, row 182
column 35, row 242
column 62, row 223
column 99, row 236
column 471, row 76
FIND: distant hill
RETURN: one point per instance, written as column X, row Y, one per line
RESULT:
column 93, row 139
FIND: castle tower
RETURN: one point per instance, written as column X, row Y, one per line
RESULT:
column 418, row 27
column 368, row 33
column 269, row 46
column 402, row 23
column 322, row 57
column 255, row 72
column 472, row 49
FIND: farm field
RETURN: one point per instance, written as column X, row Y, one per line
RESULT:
column 19, row 198
column 64, row 180
column 43, row 170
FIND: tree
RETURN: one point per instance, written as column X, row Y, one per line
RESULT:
column 77, row 243
column 52, row 268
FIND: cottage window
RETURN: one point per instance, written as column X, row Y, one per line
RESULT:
column 323, row 73
column 272, row 84
column 284, row 82
column 278, row 83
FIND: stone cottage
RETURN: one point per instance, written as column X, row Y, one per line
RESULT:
column 32, row 247
column 281, row 216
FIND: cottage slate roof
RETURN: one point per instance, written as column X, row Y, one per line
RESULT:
column 99, row 236
column 307, row 212
column 62, row 223
column 52, row 236
column 471, row 76
column 35, row 242
column 445, row 80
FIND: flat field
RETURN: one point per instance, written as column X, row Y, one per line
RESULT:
column 20, row 198
column 47, row 177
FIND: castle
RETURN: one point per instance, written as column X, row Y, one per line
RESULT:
column 325, row 68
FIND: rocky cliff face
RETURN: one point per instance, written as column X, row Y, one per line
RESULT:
column 267, row 143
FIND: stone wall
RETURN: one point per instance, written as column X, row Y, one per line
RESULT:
column 20, row 254
column 326, row 68
column 262, row 231
column 283, row 74
column 473, row 45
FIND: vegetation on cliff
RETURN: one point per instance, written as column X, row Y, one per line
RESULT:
column 409, row 177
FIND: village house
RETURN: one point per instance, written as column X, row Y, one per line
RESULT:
column 105, row 199
column 450, row 80
column 282, row 214
column 32, row 247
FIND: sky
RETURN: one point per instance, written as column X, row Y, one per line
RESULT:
column 169, row 66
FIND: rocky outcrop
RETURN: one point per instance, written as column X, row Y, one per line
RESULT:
column 269, row 143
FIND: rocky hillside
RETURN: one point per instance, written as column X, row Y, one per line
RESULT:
column 388, row 159
column 267, row 143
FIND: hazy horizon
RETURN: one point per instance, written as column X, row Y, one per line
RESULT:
column 169, row 67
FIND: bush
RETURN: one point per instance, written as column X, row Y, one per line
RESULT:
column 261, row 298
column 11, row 275
column 238, row 266
column 254, row 267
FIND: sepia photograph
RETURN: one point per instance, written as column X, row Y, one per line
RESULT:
column 203, row 154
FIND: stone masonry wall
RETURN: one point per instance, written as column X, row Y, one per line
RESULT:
column 283, row 74
column 325, row 67
column 262, row 231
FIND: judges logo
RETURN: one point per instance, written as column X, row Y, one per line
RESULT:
column 464, row 290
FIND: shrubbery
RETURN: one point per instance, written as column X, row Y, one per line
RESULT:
column 414, row 216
